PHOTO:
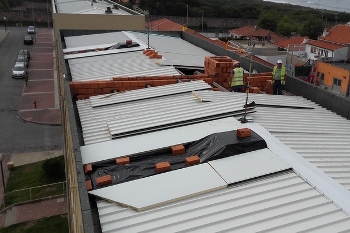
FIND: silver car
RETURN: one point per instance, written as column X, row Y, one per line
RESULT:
column 19, row 71
column 22, row 61
column 24, row 53
column 31, row 30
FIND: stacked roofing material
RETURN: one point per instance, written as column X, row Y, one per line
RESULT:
column 147, row 115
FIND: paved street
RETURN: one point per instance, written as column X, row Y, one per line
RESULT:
column 15, row 134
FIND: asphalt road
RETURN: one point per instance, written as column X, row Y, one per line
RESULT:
column 15, row 134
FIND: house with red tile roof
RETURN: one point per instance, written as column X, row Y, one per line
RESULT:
column 332, row 45
column 293, row 40
column 255, row 32
column 164, row 24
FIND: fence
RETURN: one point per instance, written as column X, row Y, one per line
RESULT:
column 33, row 193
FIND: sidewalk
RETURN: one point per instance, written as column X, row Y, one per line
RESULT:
column 39, row 103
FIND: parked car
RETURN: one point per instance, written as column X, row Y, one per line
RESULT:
column 24, row 53
column 19, row 71
column 22, row 61
column 31, row 30
column 28, row 40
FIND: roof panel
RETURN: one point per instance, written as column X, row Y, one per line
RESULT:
column 279, row 201
column 160, row 139
column 85, row 7
column 147, row 93
column 113, row 65
column 174, row 107
column 163, row 188
column 248, row 165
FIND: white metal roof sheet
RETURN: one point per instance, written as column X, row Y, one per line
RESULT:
column 248, row 165
column 143, row 113
column 95, row 40
column 114, row 65
column 85, row 7
column 280, row 202
column 160, row 189
column 147, row 93
column 185, row 54
column 320, row 136
column 160, row 139
column 175, row 51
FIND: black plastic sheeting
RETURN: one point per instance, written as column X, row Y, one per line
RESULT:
column 212, row 147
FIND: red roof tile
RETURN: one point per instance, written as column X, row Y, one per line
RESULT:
column 164, row 25
column 294, row 40
column 324, row 44
column 258, row 32
column 338, row 34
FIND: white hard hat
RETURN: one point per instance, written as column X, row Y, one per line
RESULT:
column 279, row 61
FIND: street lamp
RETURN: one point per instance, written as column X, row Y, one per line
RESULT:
column 202, row 19
column 5, row 24
column 2, row 175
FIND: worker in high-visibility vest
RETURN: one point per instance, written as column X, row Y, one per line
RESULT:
column 237, row 78
column 278, row 78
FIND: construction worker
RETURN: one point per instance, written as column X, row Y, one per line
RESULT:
column 278, row 78
column 237, row 77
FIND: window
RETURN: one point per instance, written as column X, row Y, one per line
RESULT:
column 321, row 76
column 336, row 85
column 336, row 82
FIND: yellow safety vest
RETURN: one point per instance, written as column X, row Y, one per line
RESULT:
column 283, row 72
column 237, row 79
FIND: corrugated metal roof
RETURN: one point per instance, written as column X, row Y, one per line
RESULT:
column 95, row 40
column 152, row 191
column 106, row 150
column 320, row 136
column 151, row 92
column 85, row 7
column 113, row 65
column 185, row 54
column 145, row 112
column 281, row 202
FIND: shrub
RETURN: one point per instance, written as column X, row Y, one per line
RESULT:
column 54, row 167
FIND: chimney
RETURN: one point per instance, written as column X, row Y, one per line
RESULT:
column 306, row 39
column 325, row 32
column 108, row 11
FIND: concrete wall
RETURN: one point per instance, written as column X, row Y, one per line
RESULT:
column 219, row 51
column 319, row 95
column 98, row 22
column 82, row 216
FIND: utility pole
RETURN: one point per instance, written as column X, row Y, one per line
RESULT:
column 3, row 179
column 202, row 19
column 48, row 17
column 187, row 17
column 5, row 24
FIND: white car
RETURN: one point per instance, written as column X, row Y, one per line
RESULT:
column 31, row 30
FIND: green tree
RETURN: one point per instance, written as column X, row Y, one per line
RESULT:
column 312, row 28
column 268, row 20
column 286, row 26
